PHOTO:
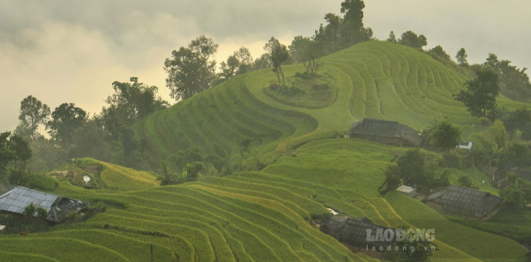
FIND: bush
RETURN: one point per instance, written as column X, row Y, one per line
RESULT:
column 452, row 159
column 42, row 213
column 466, row 182
column 72, row 216
column 273, row 87
column 484, row 121
column 98, row 207
column 29, row 210
column 42, row 182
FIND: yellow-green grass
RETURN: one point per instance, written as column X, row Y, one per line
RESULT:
column 130, row 248
column 62, row 249
column 119, row 177
column 357, row 196
column 477, row 178
column 476, row 243
column 512, row 224
column 23, row 257
column 221, row 223
column 263, row 216
column 373, row 79
column 306, row 92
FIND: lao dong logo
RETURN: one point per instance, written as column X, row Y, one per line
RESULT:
column 398, row 235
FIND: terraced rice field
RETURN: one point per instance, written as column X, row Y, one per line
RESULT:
column 258, row 216
column 267, row 215
column 374, row 79
column 117, row 177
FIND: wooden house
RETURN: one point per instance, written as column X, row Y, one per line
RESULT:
column 58, row 208
column 387, row 132
column 465, row 202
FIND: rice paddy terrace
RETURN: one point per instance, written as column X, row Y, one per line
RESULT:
column 372, row 79
column 267, row 215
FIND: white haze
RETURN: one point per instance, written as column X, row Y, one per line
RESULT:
column 71, row 51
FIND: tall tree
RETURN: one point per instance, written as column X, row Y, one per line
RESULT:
column 304, row 50
column 480, row 94
column 240, row 62
column 6, row 153
column 66, row 118
column 438, row 51
column 514, row 82
column 191, row 70
column 352, row 30
column 443, row 135
column 409, row 38
column 21, row 149
column 136, row 99
column 328, row 37
column 516, row 196
column 229, row 68
column 392, row 37
column 32, row 113
column 461, row 57
column 278, row 53
column 13, row 148
column 245, row 60
column 262, row 62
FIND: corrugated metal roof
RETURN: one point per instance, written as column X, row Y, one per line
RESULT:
column 405, row 189
column 17, row 199
column 352, row 231
column 375, row 127
column 384, row 128
column 466, row 199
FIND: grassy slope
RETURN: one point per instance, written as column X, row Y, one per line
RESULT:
column 264, row 216
column 373, row 79
column 119, row 177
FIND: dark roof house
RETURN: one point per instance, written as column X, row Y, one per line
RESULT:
column 58, row 207
column 464, row 201
column 352, row 231
column 383, row 131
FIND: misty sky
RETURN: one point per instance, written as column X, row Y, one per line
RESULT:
column 71, row 51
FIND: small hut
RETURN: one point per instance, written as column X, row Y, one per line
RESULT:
column 353, row 231
column 387, row 132
column 465, row 145
column 58, row 208
column 407, row 190
column 466, row 202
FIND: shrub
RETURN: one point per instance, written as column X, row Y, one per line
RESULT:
column 452, row 159
column 466, row 182
column 41, row 213
column 484, row 121
column 29, row 210
column 273, row 87
column 42, row 182
column 72, row 216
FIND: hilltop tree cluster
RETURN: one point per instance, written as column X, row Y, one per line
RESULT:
column 514, row 82
column 480, row 94
column 72, row 133
column 14, row 152
column 192, row 70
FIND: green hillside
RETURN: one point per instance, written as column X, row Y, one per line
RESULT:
column 373, row 79
column 104, row 175
column 267, row 215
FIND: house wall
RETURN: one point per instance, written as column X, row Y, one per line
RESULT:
column 385, row 140
column 437, row 207
column 470, row 215
column 413, row 193
column 491, row 214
